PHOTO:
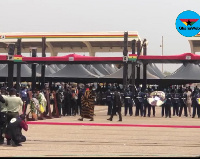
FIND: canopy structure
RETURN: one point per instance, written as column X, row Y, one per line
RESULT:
column 188, row 71
column 93, row 70
column 154, row 70
column 73, row 71
column 48, row 70
column 119, row 74
column 25, row 71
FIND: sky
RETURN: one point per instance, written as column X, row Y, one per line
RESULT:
column 151, row 18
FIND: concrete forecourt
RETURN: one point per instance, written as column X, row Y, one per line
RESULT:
column 133, row 137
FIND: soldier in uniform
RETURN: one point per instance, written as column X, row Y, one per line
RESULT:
column 117, row 104
column 183, row 98
column 163, row 105
column 176, row 102
column 139, row 102
column 146, row 104
column 128, row 102
column 196, row 105
column 109, row 101
column 168, row 104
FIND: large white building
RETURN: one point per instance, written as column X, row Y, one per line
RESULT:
column 91, row 42
column 195, row 43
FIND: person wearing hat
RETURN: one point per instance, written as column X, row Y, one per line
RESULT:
column 14, row 130
column 3, row 114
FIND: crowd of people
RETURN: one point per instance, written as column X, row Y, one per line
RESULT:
column 80, row 99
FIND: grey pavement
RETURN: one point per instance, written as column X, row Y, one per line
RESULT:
column 110, row 141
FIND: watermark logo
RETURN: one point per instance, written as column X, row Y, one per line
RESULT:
column 188, row 23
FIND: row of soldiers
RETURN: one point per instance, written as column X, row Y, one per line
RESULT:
column 177, row 99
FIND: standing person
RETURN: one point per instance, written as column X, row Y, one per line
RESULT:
column 189, row 101
column 168, row 104
column 14, row 130
column 3, row 114
column 196, row 105
column 24, row 97
column 67, row 102
column 117, row 104
column 183, row 98
column 87, row 103
column 139, row 101
column 42, row 102
column 163, row 105
column 109, row 101
column 60, row 99
column 74, row 101
column 176, row 102
column 14, row 105
column 80, row 94
column 128, row 102
column 146, row 103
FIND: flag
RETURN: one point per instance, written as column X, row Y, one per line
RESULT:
column 132, row 57
column 17, row 58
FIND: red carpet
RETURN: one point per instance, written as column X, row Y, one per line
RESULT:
column 107, row 124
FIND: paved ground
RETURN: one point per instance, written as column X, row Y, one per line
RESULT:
column 136, row 140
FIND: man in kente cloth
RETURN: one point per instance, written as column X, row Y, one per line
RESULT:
column 87, row 103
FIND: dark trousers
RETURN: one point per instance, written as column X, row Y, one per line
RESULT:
column 110, row 107
column 60, row 108
column 128, row 107
column 167, row 110
column 24, row 106
column 118, row 110
column 139, row 108
column 175, row 108
column 183, row 105
column 163, row 110
column 74, row 108
column 145, row 109
column 196, row 110
column 3, row 122
column 20, row 139
column 11, row 115
column 149, row 110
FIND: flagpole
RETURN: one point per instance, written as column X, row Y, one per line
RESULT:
column 162, row 53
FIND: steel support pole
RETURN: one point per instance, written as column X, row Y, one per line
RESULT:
column 11, row 50
column 145, row 67
column 138, row 66
column 34, row 53
column 43, row 65
column 18, row 66
column 133, row 67
column 125, row 53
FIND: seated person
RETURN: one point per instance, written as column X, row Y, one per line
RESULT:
column 14, row 131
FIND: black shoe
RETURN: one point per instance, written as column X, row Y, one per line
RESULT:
column 1, row 142
column 120, row 120
column 109, row 119
column 92, row 119
column 192, row 116
column 80, row 119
